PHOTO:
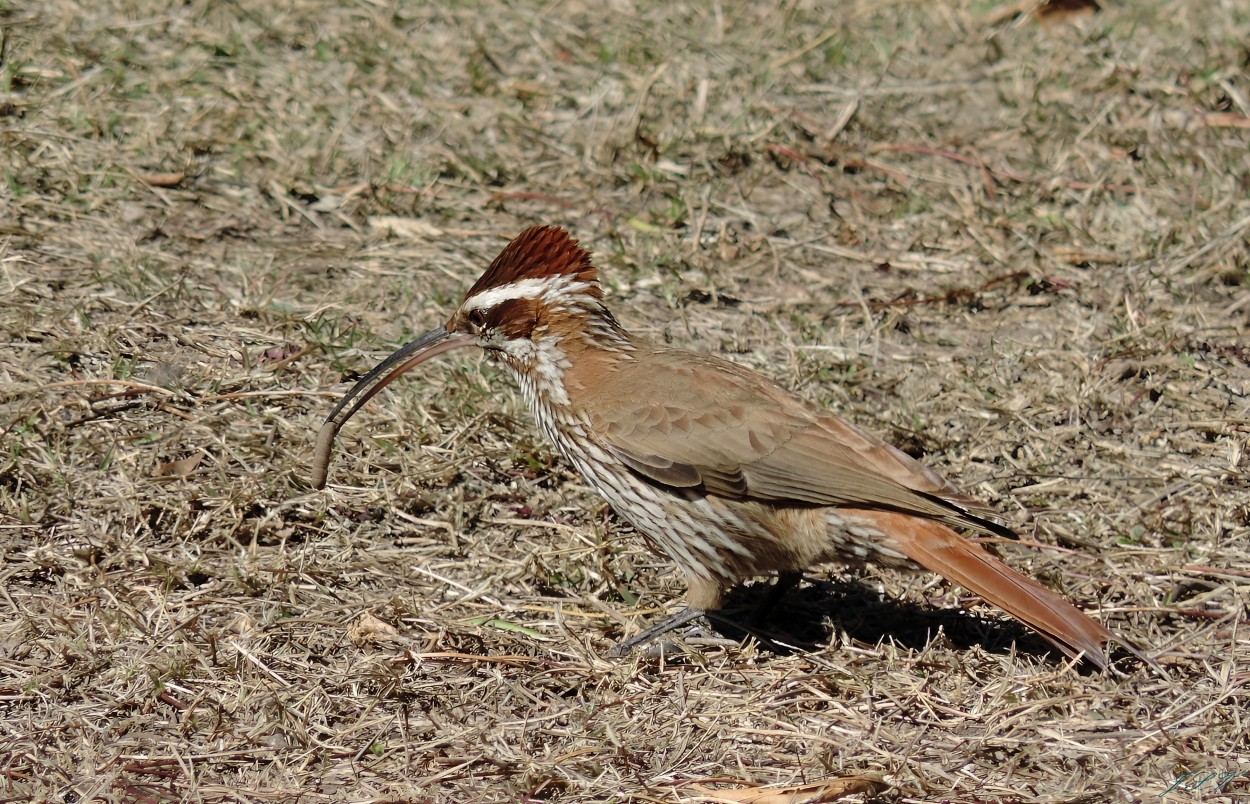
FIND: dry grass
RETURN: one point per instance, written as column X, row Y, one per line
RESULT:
column 1019, row 250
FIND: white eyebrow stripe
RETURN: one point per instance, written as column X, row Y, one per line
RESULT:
column 532, row 288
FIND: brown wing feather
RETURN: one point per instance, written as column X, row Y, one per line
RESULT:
column 750, row 439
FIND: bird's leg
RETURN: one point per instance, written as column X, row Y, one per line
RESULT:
column 669, row 623
column 786, row 580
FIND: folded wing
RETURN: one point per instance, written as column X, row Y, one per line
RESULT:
column 749, row 439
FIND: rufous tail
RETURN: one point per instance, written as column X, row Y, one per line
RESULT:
column 940, row 549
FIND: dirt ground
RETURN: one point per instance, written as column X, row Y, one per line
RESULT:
column 1017, row 245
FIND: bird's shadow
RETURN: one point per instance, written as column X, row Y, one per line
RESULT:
column 805, row 618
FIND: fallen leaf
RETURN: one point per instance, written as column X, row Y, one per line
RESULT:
column 1054, row 11
column 1226, row 120
column 370, row 630
column 411, row 228
column 172, row 470
column 162, row 179
column 811, row 793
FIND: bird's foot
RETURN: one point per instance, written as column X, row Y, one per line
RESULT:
column 669, row 623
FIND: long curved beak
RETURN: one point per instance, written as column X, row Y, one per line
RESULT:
column 408, row 356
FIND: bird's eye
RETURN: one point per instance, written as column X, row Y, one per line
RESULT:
column 477, row 317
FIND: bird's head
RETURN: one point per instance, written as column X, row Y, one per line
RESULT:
column 538, row 299
column 542, row 285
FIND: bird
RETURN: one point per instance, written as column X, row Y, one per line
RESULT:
column 719, row 468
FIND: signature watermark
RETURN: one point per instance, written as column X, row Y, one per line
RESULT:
column 1197, row 780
